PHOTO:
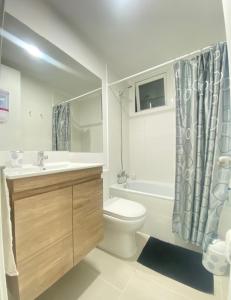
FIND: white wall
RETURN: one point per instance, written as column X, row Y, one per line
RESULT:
column 11, row 131
column 37, row 100
column 30, row 113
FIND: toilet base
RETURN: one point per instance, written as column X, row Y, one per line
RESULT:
column 122, row 244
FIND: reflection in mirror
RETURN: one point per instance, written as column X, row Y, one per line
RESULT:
column 86, row 124
column 39, row 80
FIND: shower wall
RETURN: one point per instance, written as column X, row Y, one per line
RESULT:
column 152, row 135
column 148, row 138
column 114, row 124
column 152, row 146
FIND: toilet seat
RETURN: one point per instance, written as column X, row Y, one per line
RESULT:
column 124, row 209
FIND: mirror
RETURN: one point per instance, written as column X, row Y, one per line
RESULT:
column 48, row 101
column 86, row 124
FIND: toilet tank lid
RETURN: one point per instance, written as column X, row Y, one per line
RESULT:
column 124, row 208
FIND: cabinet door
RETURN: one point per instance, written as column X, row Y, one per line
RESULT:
column 43, row 240
column 39, row 272
column 87, row 217
column 41, row 220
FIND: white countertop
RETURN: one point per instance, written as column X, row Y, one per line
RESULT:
column 49, row 168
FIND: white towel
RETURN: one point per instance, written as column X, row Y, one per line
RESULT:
column 9, row 260
column 228, row 246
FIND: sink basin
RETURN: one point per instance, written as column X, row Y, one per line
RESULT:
column 49, row 168
column 56, row 166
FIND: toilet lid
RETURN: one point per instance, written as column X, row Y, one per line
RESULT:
column 123, row 208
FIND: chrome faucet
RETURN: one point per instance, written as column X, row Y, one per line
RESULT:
column 122, row 177
column 40, row 159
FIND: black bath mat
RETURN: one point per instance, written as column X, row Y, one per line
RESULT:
column 177, row 263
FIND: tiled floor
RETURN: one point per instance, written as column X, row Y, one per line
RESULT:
column 102, row 276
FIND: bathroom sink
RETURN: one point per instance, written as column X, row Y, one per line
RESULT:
column 49, row 168
column 56, row 166
column 65, row 165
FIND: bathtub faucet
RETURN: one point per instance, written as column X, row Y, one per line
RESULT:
column 122, row 177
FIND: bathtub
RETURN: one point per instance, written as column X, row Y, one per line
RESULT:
column 149, row 188
column 158, row 199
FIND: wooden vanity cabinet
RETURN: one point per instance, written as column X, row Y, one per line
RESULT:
column 87, row 217
column 57, row 219
column 41, row 220
column 43, row 240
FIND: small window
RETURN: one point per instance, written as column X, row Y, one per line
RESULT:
column 150, row 93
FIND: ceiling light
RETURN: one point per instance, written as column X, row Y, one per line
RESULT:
column 33, row 50
column 36, row 52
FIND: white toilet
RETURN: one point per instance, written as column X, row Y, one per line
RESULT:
column 122, row 218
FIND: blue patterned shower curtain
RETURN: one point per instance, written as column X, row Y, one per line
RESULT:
column 203, row 125
column 61, row 136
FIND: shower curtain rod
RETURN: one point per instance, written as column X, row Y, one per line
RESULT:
column 158, row 66
column 80, row 96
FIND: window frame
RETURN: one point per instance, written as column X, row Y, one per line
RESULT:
column 168, row 72
column 148, row 80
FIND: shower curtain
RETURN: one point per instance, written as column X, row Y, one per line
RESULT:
column 203, row 129
column 61, row 135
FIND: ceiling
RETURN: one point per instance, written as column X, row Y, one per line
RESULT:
column 58, row 70
column 133, row 35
